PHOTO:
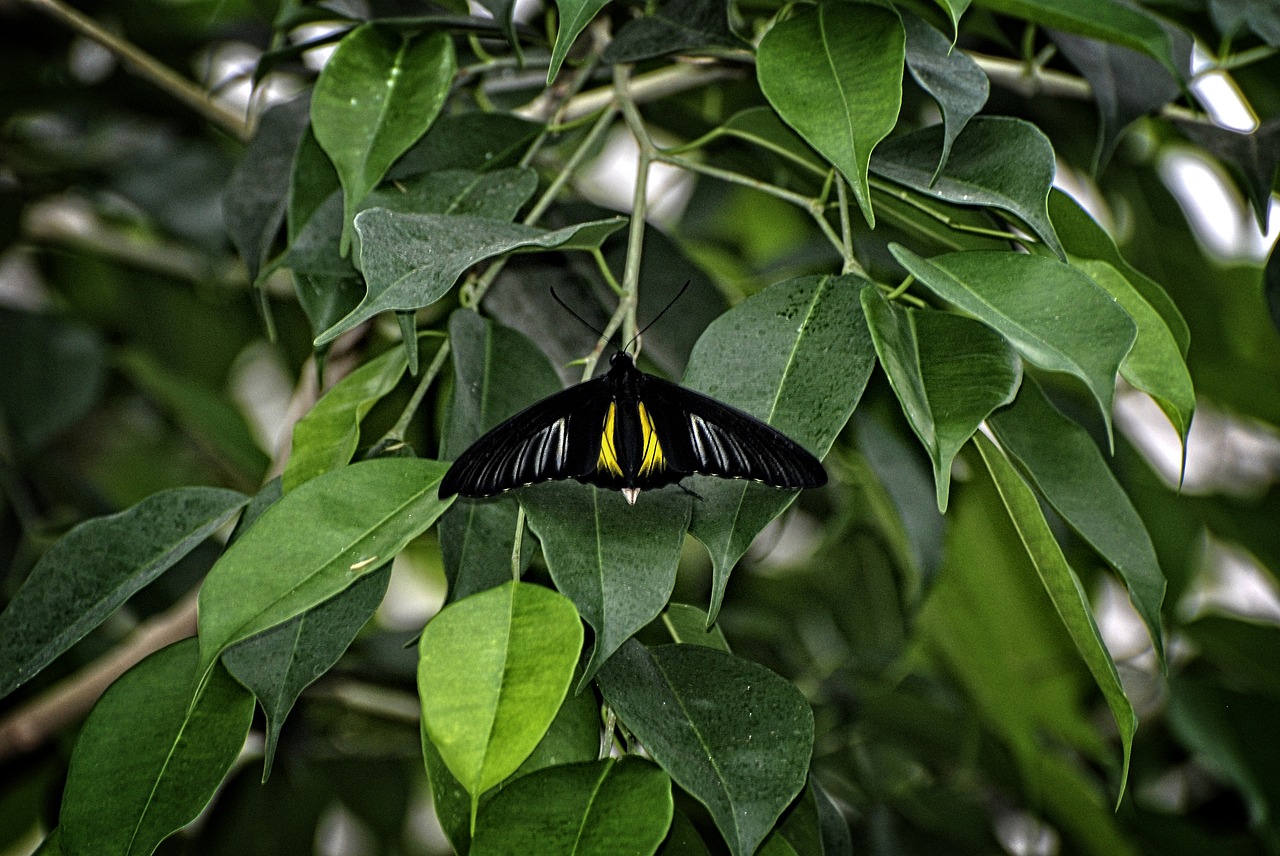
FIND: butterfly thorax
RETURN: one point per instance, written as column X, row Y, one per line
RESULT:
column 630, row 454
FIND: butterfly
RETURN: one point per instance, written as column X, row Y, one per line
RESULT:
column 630, row 431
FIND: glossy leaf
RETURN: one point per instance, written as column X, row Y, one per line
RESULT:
column 1155, row 365
column 279, row 664
column 53, row 373
column 476, row 141
column 315, row 542
column 679, row 26
column 1063, row 586
column 688, row 625
column 493, row 670
column 93, row 569
column 1065, row 465
column 1053, row 314
column 497, row 194
column 616, row 562
column 326, row 437
column 597, row 808
column 949, row 373
column 951, row 78
column 574, row 17
column 257, row 193
column 772, row 356
column 375, row 97
column 997, row 162
column 412, row 260
column 497, row 373
column 1108, row 20
column 1085, row 239
column 150, row 756
column 954, row 9
column 730, row 732
column 834, row 73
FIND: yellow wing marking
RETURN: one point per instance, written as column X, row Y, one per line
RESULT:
column 608, row 459
column 652, row 460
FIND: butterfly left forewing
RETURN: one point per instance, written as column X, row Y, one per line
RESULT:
column 701, row 435
column 557, row 438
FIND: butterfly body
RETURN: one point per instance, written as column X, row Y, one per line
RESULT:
column 629, row 431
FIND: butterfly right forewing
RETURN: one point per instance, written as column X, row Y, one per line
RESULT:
column 557, row 438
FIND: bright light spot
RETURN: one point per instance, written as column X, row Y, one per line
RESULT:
column 610, row 180
column 1230, row 582
column 1219, row 95
column 315, row 58
column 261, row 385
column 228, row 75
column 89, row 61
column 1218, row 215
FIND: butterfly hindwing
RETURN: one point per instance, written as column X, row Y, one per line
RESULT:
column 701, row 435
column 557, row 438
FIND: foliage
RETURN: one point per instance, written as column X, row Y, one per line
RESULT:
column 932, row 654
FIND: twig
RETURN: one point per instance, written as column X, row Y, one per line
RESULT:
column 149, row 68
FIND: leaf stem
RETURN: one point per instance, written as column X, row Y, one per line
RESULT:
column 397, row 432
column 149, row 68
column 639, row 202
column 606, row 738
column 851, row 264
column 519, row 542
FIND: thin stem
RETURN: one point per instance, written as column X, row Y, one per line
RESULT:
column 639, row 201
column 515, row 550
column 606, row 739
column 946, row 220
column 901, row 289
column 149, row 68
column 603, row 266
column 734, row 178
column 398, row 430
column 900, row 293
column 851, row 264
column 644, row 88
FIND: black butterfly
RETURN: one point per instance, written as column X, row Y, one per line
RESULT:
column 630, row 431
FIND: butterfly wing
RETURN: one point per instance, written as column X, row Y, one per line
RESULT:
column 557, row 438
column 701, row 435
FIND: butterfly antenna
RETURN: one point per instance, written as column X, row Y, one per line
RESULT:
column 569, row 309
column 670, row 303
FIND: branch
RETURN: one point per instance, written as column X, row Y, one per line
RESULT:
column 149, row 68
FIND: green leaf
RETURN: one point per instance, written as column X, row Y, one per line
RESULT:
column 412, row 260
column 834, row 73
column 498, row 194
column 730, row 732
column 949, row 373
column 493, row 670
column 616, row 562
column 450, row 799
column 573, row 736
column 1230, row 16
column 1108, row 20
column 680, row 26
column 1085, row 239
column 811, row 827
column 1063, row 586
column 279, row 664
column 315, row 542
column 150, row 756
column 690, row 626
column 375, row 97
column 497, row 373
column 683, row 839
column 477, row 141
column 772, row 356
column 53, row 373
column 954, row 9
column 93, row 569
column 1055, row 316
column 951, row 78
column 598, row 808
column 996, row 162
column 1245, row 651
column 257, row 194
column 574, row 17
column 1066, row 467
column 1155, row 365
column 327, row 436
column 502, row 11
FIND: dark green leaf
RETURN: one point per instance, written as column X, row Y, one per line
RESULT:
column 493, row 671
column 1065, row 590
column 615, row 561
column 951, row 78
column 574, row 17
column 451, row 801
column 1109, row 20
column 773, row 356
column 257, row 194
column 1245, row 651
column 88, row 573
column 598, row 808
column 1055, row 316
column 730, row 732
column 497, row 373
column 998, row 162
column 689, row 625
column 150, row 756
column 476, row 141
column 680, row 26
column 315, row 542
column 1260, row 16
column 834, row 73
column 573, row 736
column 949, row 373
column 375, row 97
column 411, row 260
column 683, row 839
column 53, row 373
column 1066, row 467
column 501, row 10
column 279, row 664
